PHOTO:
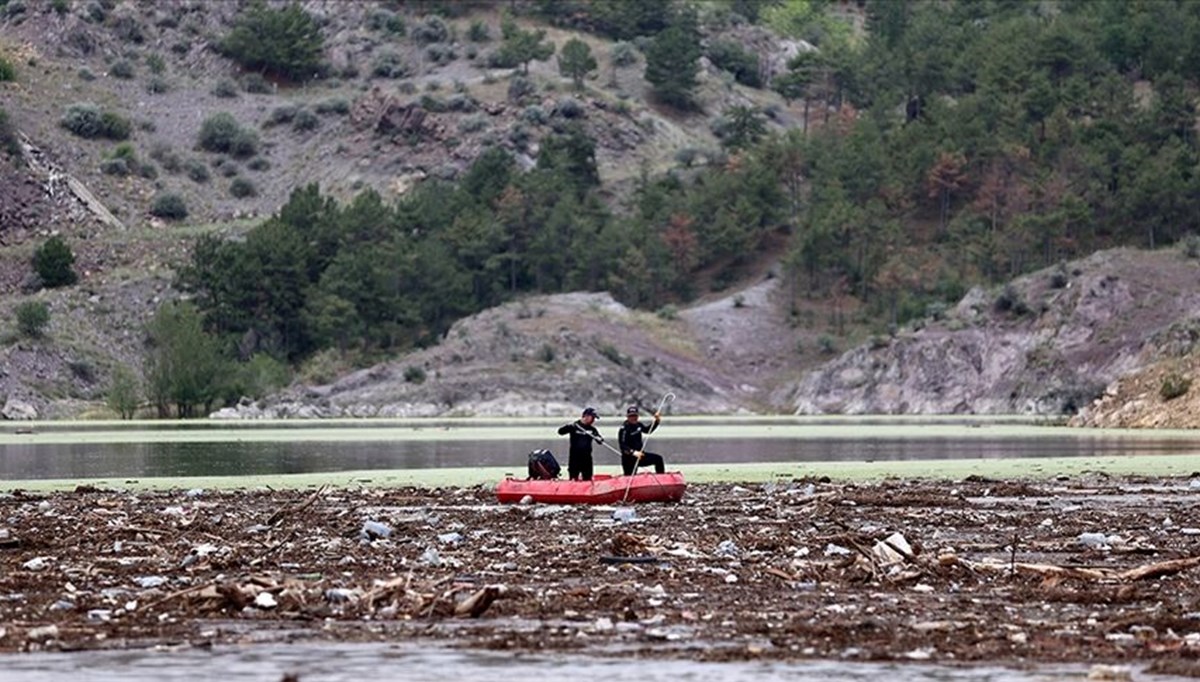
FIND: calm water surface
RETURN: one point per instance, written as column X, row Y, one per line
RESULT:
column 53, row 452
column 358, row 662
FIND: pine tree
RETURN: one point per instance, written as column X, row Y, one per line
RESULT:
column 521, row 46
column 672, row 61
column 285, row 42
column 576, row 61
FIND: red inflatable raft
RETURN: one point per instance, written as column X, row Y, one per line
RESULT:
column 602, row 489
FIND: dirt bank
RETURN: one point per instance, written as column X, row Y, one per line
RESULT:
column 1087, row 570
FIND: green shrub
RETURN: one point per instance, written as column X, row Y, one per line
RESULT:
column 473, row 123
column 128, row 29
column 520, row 87
column 88, row 121
column 32, row 318
column 256, row 84
column 386, row 21
column 8, row 72
column 732, row 57
column 305, row 120
column 53, row 261
column 196, row 170
column 114, row 126
column 221, row 133
column 324, row 366
column 94, row 12
column 166, row 157
column 461, row 102
column 389, row 64
column 1174, row 385
column 334, row 105
column 827, row 345
column 155, row 63
column 624, row 54
column 286, row 42
column 242, row 188
column 1010, row 300
column 60, row 7
column 569, row 107
column 430, row 30
column 86, row 75
column 82, row 370
column 122, row 69
column 414, row 374
column 440, row 53
column 1060, row 278
column 169, row 205
column 478, row 32
column 611, row 353
column 118, row 167
column 258, row 163
column 225, row 88
column 227, row 168
column 432, row 104
column 668, row 312
column 261, row 375
column 281, row 114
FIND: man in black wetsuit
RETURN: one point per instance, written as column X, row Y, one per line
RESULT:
column 630, row 440
column 582, row 433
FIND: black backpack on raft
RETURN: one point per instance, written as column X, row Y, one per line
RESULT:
column 543, row 466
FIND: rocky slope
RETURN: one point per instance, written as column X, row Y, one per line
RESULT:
column 1048, row 344
column 550, row 355
column 155, row 64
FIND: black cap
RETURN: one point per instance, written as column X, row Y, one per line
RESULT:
column 591, row 411
column 632, row 410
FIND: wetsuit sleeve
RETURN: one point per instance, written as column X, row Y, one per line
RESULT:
column 564, row 430
column 621, row 439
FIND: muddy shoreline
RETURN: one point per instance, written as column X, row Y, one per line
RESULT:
column 1090, row 569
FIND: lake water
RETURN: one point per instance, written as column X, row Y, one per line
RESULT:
column 164, row 449
column 60, row 451
column 356, row 662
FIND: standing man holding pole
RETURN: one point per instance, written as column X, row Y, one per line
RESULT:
column 582, row 433
column 630, row 440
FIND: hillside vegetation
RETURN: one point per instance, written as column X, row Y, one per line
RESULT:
column 274, row 191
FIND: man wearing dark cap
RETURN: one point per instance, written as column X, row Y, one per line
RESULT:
column 631, row 442
column 582, row 433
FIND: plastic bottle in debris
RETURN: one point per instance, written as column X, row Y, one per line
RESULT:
column 624, row 514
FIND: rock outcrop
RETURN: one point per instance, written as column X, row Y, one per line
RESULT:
column 541, row 356
column 1049, row 343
